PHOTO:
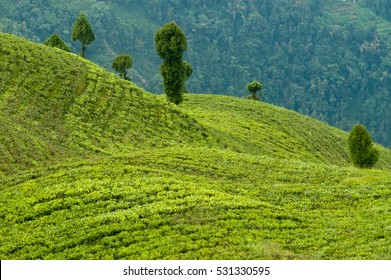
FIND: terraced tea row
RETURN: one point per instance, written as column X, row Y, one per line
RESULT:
column 196, row 204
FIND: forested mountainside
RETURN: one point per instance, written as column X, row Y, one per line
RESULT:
column 380, row 7
column 327, row 59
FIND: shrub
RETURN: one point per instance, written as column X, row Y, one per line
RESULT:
column 121, row 63
column 55, row 41
column 362, row 152
column 253, row 87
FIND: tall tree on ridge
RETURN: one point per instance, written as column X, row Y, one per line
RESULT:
column 82, row 32
column 170, row 44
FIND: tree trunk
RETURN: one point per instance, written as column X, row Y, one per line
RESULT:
column 83, row 48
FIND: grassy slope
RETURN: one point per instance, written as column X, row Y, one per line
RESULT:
column 250, row 180
column 196, row 203
column 259, row 128
column 55, row 106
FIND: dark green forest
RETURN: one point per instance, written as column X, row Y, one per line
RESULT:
column 327, row 59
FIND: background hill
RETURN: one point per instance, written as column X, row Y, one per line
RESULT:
column 93, row 167
column 55, row 105
column 330, row 60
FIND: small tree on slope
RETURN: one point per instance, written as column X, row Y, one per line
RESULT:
column 55, row 41
column 253, row 87
column 362, row 152
column 82, row 32
column 121, row 63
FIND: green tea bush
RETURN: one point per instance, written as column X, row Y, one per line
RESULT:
column 362, row 152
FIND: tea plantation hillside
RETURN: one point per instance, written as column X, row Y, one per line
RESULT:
column 55, row 105
column 92, row 167
column 260, row 128
column 196, row 203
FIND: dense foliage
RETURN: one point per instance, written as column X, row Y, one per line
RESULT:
column 327, row 59
column 121, row 63
column 82, row 32
column 380, row 7
column 253, row 88
column 170, row 44
column 55, row 41
column 362, row 152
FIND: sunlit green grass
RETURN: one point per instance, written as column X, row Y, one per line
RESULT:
column 196, row 204
column 92, row 167
column 262, row 129
column 55, row 106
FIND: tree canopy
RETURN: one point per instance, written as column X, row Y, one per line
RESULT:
column 121, row 63
column 55, row 41
column 82, row 32
column 170, row 44
column 253, row 88
column 362, row 152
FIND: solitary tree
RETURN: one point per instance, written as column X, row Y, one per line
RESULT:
column 82, row 32
column 121, row 63
column 362, row 152
column 253, row 87
column 55, row 41
column 170, row 44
